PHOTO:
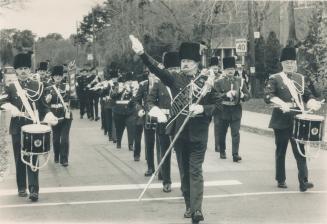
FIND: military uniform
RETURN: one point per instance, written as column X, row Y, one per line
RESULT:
column 16, row 124
column 231, row 112
column 92, row 98
column 62, row 129
column 82, row 94
column 159, row 96
column 191, row 145
column 282, row 124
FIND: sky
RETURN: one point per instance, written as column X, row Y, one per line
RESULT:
column 47, row 16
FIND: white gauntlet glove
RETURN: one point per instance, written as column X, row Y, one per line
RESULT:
column 196, row 109
column 285, row 108
column 230, row 94
column 136, row 45
column 141, row 113
column 50, row 119
column 313, row 105
column 13, row 109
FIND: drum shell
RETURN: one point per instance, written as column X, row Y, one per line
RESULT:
column 36, row 142
column 308, row 130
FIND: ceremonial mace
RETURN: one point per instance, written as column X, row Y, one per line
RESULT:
column 206, row 88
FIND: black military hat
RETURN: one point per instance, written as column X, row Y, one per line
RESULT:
column 229, row 62
column 57, row 70
column 171, row 59
column 22, row 60
column 190, row 50
column 214, row 61
column 43, row 66
column 288, row 53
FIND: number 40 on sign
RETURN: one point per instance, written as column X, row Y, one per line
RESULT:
column 241, row 45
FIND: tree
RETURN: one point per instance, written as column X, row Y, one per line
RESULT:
column 272, row 54
column 23, row 40
column 6, row 46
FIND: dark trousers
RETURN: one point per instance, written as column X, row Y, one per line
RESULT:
column 282, row 137
column 235, row 132
column 93, row 105
column 61, row 140
column 149, row 138
column 137, row 140
column 163, row 144
column 109, row 124
column 216, row 132
column 102, row 114
column 190, row 157
column 33, row 177
column 83, row 103
column 122, row 121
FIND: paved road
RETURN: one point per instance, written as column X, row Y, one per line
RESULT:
column 102, row 184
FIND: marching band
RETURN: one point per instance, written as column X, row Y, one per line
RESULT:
column 173, row 101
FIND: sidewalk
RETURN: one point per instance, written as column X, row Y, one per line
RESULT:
column 256, row 122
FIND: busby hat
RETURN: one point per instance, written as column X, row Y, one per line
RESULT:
column 171, row 59
column 57, row 70
column 288, row 53
column 191, row 51
column 214, row 61
column 43, row 66
column 22, row 60
column 229, row 62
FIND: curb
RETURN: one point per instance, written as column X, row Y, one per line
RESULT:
column 256, row 130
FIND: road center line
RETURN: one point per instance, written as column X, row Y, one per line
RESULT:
column 117, row 187
column 158, row 199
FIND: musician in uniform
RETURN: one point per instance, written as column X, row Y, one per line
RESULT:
column 43, row 72
column 92, row 96
column 57, row 97
column 233, row 91
column 123, row 110
column 22, row 114
column 287, row 90
column 159, row 99
column 191, row 144
column 214, row 66
column 82, row 91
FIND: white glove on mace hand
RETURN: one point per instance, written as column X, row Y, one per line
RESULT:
column 48, row 98
column 13, row 109
column 196, row 109
column 136, row 45
column 230, row 94
column 141, row 113
column 313, row 105
column 50, row 119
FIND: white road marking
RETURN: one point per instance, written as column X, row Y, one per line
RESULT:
column 158, row 199
column 118, row 187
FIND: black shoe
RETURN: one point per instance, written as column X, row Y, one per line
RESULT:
column 223, row 155
column 236, row 158
column 166, row 188
column 97, row 118
column 197, row 216
column 56, row 160
column 131, row 147
column 22, row 193
column 114, row 141
column 118, row 145
column 187, row 213
column 64, row 164
column 105, row 132
column 281, row 185
column 34, row 197
column 136, row 158
column 305, row 186
column 148, row 173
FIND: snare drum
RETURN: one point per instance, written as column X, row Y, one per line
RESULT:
column 35, row 141
column 308, row 128
column 150, row 122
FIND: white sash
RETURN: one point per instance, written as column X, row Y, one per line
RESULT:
column 291, row 87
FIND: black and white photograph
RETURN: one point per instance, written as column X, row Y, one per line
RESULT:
column 163, row 111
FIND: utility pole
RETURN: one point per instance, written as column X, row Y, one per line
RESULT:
column 93, row 39
column 251, row 53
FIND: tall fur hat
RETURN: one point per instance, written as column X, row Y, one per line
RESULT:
column 171, row 59
column 22, row 60
column 288, row 53
column 57, row 70
column 190, row 50
column 229, row 62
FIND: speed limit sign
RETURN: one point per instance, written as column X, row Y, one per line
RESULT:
column 241, row 45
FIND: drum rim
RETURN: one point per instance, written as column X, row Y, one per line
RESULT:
column 48, row 129
column 317, row 117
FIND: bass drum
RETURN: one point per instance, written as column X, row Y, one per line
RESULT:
column 308, row 128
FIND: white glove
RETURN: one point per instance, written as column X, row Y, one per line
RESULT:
column 231, row 94
column 141, row 113
column 50, row 119
column 156, row 112
column 313, row 105
column 285, row 108
column 48, row 98
column 196, row 109
column 162, row 118
column 13, row 109
column 242, row 95
column 136, row 45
